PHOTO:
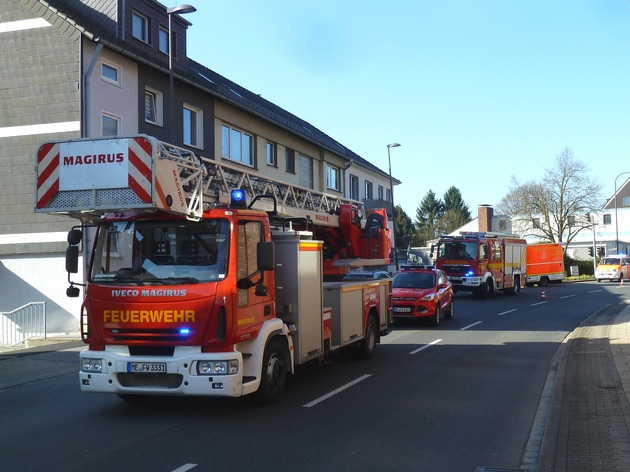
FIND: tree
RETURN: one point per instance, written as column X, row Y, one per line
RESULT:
column 453, row 201
column 451, row 220
column 555, row 209
column 403, row 227
column 428, row 215
column 456, row 212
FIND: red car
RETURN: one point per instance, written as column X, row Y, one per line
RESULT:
column 422, row 292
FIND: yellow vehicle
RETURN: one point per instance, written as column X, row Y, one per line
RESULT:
column 613, row 268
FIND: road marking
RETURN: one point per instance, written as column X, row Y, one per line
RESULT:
column 470, row 326
column 425, row 346
column 185, row 467
column 568, row 296
column 506, row 312
column 539, row 303
column 335, row 392
column 598, row 290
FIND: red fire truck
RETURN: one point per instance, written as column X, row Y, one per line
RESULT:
column 482, row 262
column 191, row 291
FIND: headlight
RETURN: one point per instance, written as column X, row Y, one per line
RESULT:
column 92, row 365
column 217, row 367
column 428, row 298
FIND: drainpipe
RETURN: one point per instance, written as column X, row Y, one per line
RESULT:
column 86, row 87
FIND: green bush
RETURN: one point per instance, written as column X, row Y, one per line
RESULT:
column 585, row 268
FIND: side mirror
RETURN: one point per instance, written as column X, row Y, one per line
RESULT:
column 72, row 291
column 266, row 259
column 74, row 237
column 245, row 283
column 72, row 259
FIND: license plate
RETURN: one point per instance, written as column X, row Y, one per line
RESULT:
column 402, row 309
column 147, row 367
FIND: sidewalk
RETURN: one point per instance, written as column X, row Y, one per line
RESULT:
column 588, row 428
column 50, row 342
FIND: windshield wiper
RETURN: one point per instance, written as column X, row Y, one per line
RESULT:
column 178, row 280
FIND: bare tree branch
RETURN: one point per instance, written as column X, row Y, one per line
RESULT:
column 555, row 208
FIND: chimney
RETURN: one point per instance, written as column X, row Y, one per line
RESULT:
column 484, row 215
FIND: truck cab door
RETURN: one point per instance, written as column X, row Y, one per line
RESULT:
column 497, row 260
column 252, row 308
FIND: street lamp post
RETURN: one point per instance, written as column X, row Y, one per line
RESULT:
column 170, row 11
column 391, row 191
column 616, row 219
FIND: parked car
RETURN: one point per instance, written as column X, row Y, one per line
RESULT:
column 422, row 292
column 362, row 274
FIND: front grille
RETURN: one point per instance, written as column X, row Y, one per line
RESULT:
column 458, row 270
column 162, row 351
column 150, row 380
column 152, row 335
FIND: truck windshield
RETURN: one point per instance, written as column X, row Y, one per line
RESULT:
column 161, row 252
column 458, row 250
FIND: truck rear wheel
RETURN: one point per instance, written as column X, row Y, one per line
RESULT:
column 544, row 281
column 275, row 371
column 368, row 344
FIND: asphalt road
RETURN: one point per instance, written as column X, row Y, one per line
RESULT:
column 453, row 398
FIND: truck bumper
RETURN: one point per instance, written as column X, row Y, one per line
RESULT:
column 159, row 375
column 465, row 283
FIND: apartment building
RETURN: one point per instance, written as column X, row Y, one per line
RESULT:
column 89, row 68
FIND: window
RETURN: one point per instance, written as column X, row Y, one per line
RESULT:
column 110, row 73
column 250, row 233
column 153, row 106
column 290, row 160
column 354, row 187
column 163, row 40
column 271, row 154
column 306, row 171
column 625, row 201
column 192, row 126
column 536, row 222
column 571, row 220
column 140, row 26
column 607, row 219
column 110, row 125
column 503, row 226
column 332, row 177
column 368, row 190
column 237, row 146
column 380, row 192
column 495, row 248
column 388, row 195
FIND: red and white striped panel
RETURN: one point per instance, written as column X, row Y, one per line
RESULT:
column 48, row 173
column 140, row 155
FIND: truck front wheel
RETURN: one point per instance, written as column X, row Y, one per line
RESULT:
column 275, row 371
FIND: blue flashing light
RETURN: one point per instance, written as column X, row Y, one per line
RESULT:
column 238, row 199
column 184, row 331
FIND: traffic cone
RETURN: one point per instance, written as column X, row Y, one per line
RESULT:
column 621, row 282
column 542, row 296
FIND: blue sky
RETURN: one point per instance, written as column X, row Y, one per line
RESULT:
column 474, row 91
